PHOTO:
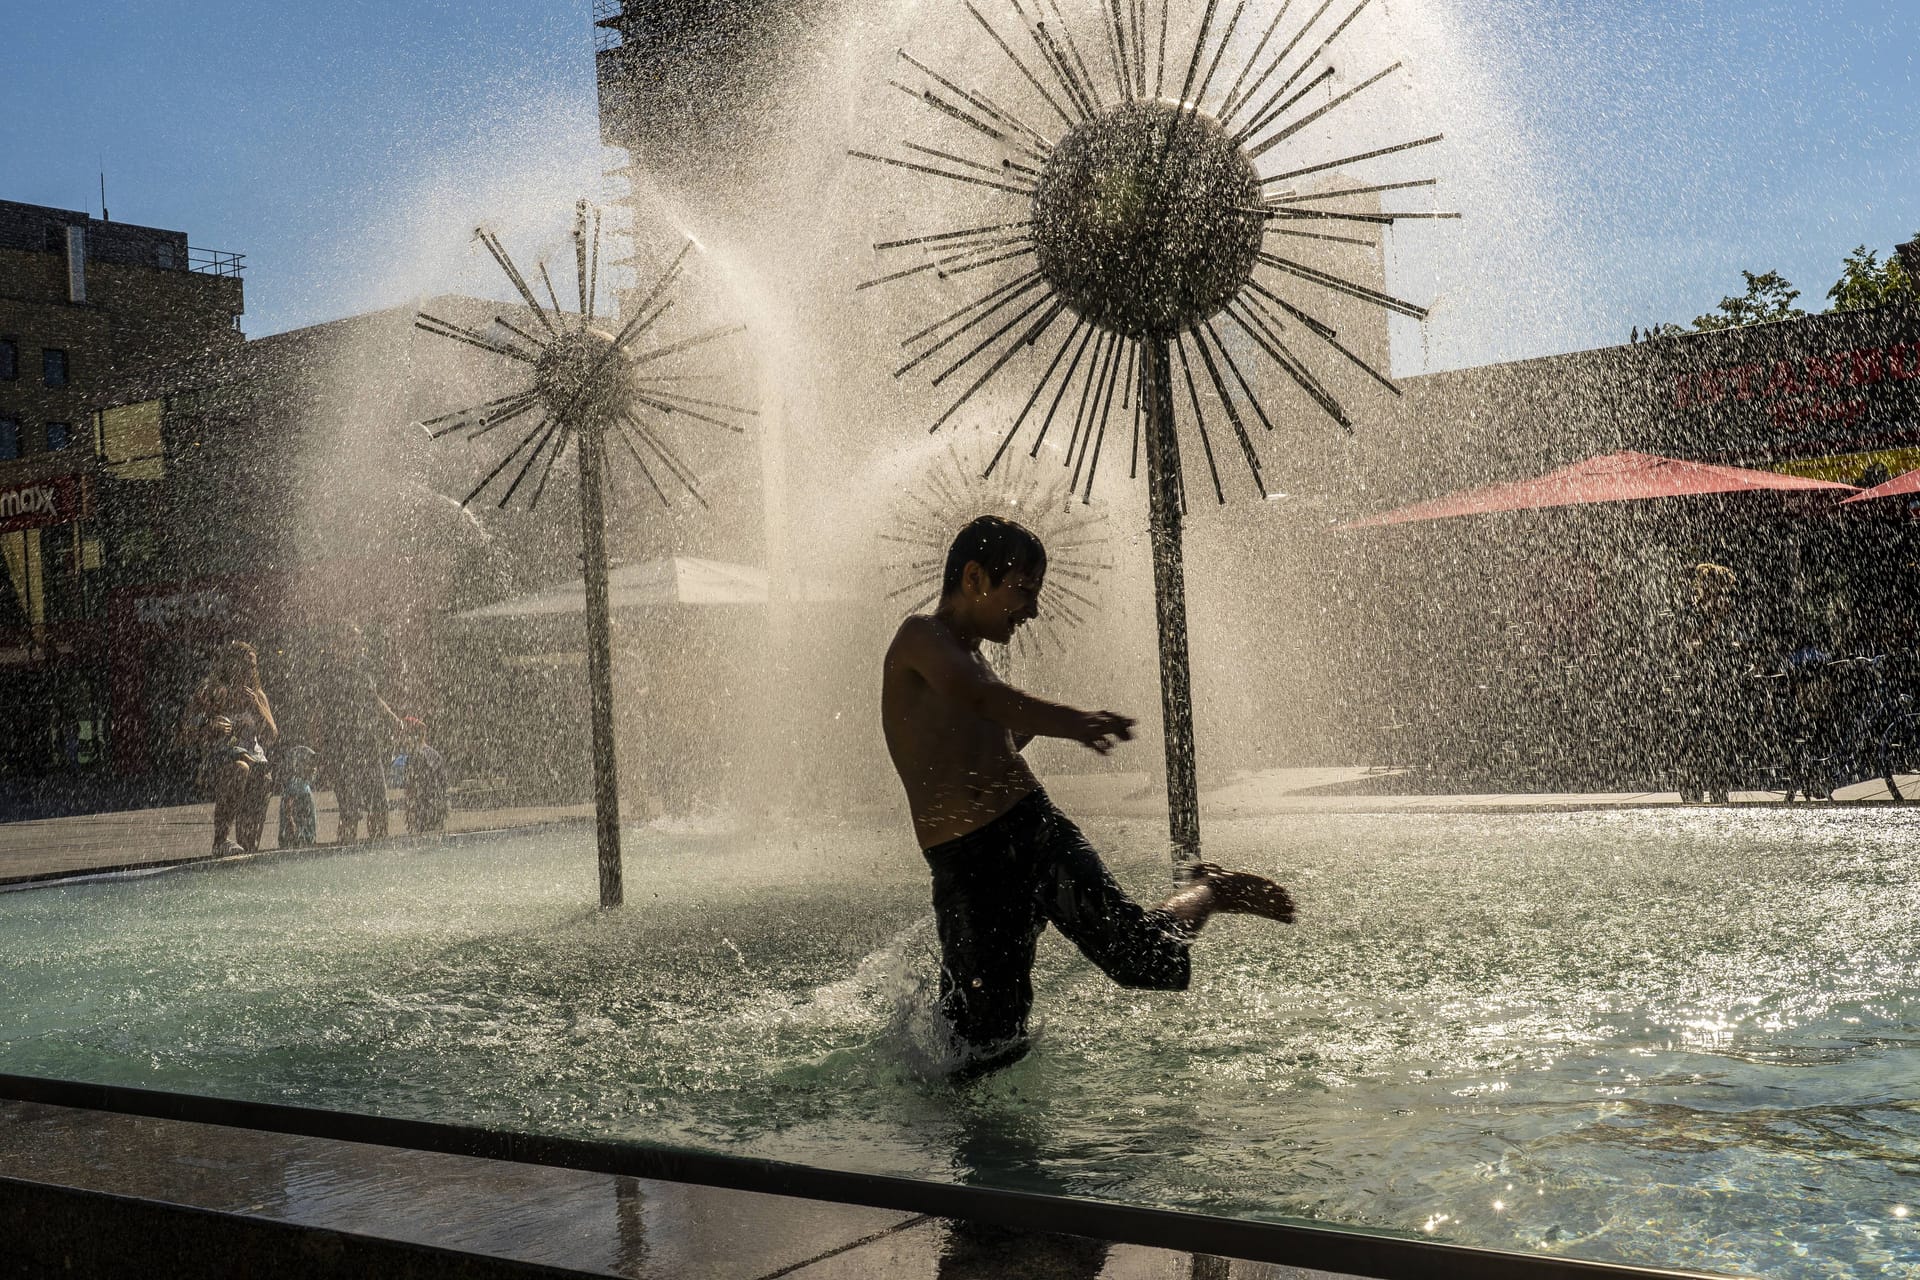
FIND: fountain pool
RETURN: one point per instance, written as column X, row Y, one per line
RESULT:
column 1646, row 1036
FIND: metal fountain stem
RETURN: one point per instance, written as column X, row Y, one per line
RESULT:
column 1149, row 218
column 587, row 387
column 593, row 558
column 1170, row 603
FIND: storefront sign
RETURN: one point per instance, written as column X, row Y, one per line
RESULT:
column 1818, row 387
column 1831, row 387
column 39, row 504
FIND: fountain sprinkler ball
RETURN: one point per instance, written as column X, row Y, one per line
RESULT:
column 1142, row 232
column 583, row 379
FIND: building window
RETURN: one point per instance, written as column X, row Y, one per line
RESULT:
column 131, row 444
column 59, row 435
column 9, row 359
column 135, row 545
column 9, row 439
column 53, row 366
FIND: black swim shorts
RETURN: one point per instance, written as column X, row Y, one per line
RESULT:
column 996, row 889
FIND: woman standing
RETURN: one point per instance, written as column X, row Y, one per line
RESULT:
column 231, row 721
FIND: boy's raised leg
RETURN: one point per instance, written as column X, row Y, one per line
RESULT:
column 1214, row 889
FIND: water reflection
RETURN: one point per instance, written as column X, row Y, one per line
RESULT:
column 1000, row 1146
column 630, row 1227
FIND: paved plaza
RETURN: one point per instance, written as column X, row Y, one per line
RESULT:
column 146, row 839
column 512, row 1219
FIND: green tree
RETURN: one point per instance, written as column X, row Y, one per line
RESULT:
column 1865, row 281
column 1769, row 297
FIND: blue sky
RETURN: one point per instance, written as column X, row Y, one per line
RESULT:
column 287, row 132
column 1620, row 163
column 1689, row 140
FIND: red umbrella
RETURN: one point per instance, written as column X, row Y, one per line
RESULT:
column 1615, row 477
column 1899, row 486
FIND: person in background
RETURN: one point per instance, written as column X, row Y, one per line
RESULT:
column 230, row 721
column 426, row 781
column 296, row 800
column 1715, row 658
column 360, row 729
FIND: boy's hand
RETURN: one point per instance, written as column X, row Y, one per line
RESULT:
column 1103, row 730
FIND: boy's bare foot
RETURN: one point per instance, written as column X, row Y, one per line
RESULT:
column 1244, row 893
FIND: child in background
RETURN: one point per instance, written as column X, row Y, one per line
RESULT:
column 296, row 800
column 426, row 781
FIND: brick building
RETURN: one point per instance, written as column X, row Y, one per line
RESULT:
column 277, row 493
column 84, row 304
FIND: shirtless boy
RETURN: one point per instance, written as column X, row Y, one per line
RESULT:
column 1005, row 862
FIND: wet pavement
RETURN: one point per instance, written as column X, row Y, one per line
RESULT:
column 583, row 1223
column 149, row 838
column 145, row 838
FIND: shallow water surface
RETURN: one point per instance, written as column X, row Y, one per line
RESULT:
column 1677, row 1037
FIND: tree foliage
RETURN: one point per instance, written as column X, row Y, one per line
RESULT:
column 1865, row 281
column 1769, row 297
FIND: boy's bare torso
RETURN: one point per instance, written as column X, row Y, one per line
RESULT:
column 960, row 769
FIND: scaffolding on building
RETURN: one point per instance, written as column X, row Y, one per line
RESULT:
column 608, row 18
column 216, row 262
column 617, row 191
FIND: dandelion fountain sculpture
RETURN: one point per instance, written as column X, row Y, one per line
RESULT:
column 1149, row 220
column 589, row 386
column 953, row 489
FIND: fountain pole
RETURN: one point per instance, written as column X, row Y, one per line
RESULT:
column 1170, row 601
column 586, row 388
column 593, row 563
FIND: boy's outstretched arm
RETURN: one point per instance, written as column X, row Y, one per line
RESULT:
column 954, row 674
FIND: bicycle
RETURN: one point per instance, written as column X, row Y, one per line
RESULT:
column 1852, row 722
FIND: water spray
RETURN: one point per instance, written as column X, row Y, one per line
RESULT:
column 1142, row 224
column 953, row 489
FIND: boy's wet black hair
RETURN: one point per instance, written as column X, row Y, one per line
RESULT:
column 998, row 546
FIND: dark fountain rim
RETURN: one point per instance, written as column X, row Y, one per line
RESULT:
column 1344, row 1250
